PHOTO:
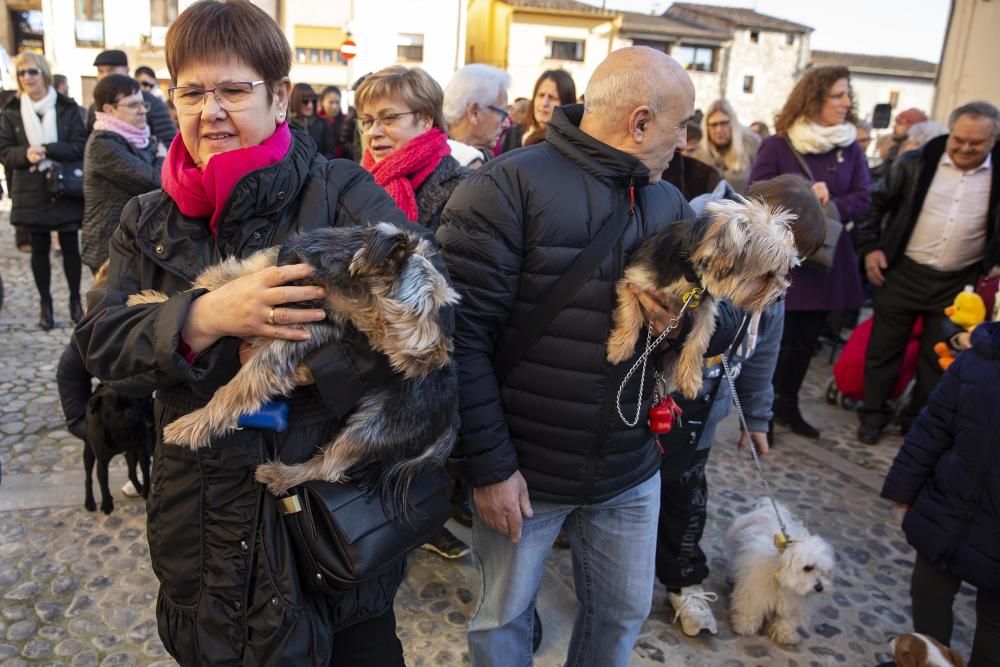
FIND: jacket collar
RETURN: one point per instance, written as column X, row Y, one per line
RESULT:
column 591, row 155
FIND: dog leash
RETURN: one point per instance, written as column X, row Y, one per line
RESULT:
column 692, row 299
column 781, row 539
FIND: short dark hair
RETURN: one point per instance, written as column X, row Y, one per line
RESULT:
column 145, row 69
column 112, row 88
column 693, row 131
column 300, row 92
column 221, row 30
column 328, row 90
column 792, row 193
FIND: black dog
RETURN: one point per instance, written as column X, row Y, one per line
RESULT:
column 116, row 424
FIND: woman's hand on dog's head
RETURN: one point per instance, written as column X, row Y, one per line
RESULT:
column 658, row 308
column 241, row 308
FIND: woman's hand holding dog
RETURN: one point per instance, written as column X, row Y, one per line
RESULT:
column 243, row 306
column 657, row 308
column 501, row 505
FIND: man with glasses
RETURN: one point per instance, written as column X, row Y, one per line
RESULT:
column 160, row 124
column 475, row 108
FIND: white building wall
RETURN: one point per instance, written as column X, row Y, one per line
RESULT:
column 772, row 63
column 872, row 89
column 526, row 53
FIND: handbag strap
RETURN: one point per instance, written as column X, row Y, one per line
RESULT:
column 801, row 160
column 534, row 321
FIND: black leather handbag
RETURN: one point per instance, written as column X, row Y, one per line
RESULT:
column 343, row 536
column 65, row 179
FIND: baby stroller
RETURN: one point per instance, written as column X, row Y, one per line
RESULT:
column 847, row 388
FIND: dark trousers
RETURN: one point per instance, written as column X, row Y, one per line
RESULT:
column 680, row 561
column 910, row 290
column 371, row 642
column 41, row 268
column 798, row 344
column 933, row 591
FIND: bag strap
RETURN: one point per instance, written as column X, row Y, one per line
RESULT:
column 532, row 324
column 801, row 160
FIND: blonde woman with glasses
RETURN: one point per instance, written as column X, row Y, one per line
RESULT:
column 38, row 129
column 727, row 145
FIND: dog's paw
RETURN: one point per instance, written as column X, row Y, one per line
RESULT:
column 745, row 625
column 783, row 633
column 108, row 506
column 275, row 476
column 90, row 505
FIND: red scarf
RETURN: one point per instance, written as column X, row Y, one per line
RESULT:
column 402, row 173
column 200, row 194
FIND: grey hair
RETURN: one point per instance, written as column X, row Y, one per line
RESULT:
column 863, row 125
column 977, row 109
column 920, row 133
column 620, row 91
column 477, row 83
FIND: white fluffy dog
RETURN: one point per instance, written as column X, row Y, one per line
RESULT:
column 772, row 588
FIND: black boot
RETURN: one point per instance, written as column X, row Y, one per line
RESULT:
column 45, row 318
column 786, row 413
column 75, row 309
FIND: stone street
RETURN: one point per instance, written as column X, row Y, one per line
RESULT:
column 76, row 587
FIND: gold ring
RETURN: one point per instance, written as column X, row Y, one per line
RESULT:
column 270, row 316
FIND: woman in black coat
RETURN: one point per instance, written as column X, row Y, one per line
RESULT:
column 239, row 181
column 302, row 112
column 122, row 161
column 39, row 128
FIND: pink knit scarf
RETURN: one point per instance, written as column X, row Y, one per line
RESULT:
column 132, row 134
column 200, row 194
column 402, row 173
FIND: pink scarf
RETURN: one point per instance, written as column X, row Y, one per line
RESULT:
column 132, row 134
column 200, row 194
column 402, row 173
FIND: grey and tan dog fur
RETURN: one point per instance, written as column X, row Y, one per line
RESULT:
column 739, row 251
column 380, row 281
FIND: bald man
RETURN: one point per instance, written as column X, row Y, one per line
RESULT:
column 541, row 442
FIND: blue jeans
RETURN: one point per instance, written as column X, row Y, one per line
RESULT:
column 614, row 549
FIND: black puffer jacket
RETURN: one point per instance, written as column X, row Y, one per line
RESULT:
column 229, row 590
column 114, row 171
column 31, row 206
column 434, row 193
column 509, row 232
column 897, row 203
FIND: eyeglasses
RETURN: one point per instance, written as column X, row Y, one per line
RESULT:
column 310, row 100
column 231, row 96
column 148, row 85
column 28, row 72
column 387, row 120
column 133, row 106
column 504, row 116
column 717, row 124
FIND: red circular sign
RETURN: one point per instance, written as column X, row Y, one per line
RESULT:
column 348, row 49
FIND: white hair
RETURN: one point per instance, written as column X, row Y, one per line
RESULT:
column 477, row 83
column 620, row 91
column 920, row 133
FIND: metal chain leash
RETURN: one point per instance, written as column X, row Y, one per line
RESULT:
column 694, row 296
column 753, row 447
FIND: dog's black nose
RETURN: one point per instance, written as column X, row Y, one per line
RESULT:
column 818, row 587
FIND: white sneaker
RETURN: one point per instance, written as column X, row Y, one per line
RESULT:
column 130, row 490
column 691, row 607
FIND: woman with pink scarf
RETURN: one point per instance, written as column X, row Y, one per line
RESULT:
column 121, row 161
column 405, row 141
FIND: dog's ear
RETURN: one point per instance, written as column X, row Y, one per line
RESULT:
column 386, row 249
column 911, row 651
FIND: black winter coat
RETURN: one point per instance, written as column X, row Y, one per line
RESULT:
column 75, row 387
column 436, row 190
column 114, row 171
column 229, row 591
column 161, row 125
column 897, row 203
column 31, row 206
column 511, row 229
column 948, row 469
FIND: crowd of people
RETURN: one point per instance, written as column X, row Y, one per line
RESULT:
column 236, row 158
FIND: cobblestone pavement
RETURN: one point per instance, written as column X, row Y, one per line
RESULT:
column 76, row 588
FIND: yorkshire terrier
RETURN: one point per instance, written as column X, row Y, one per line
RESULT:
column 380, row 281
column 740, row 251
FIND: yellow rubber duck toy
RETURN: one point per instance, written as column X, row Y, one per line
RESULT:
column 967, row 311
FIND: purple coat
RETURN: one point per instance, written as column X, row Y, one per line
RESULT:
column 845, row 173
